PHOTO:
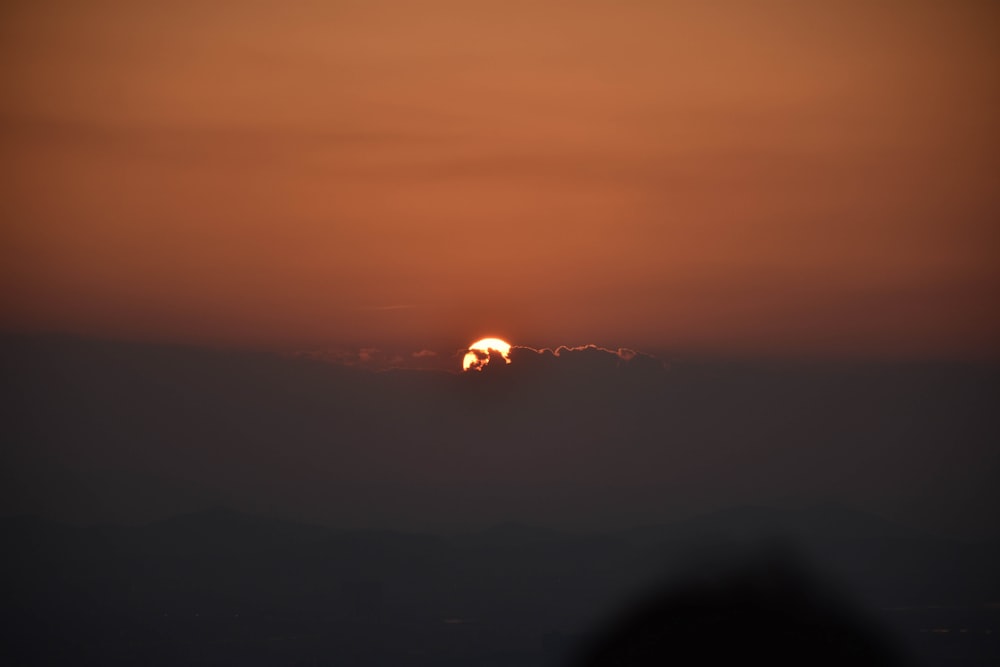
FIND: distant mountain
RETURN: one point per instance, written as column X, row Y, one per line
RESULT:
column 221, row 527
column 814, row 524
column 126, row 432
column 513, row 533
column 263, row 591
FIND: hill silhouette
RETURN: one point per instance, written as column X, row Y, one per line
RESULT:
column 225, row 586
column 480, row 519
column 130, row 432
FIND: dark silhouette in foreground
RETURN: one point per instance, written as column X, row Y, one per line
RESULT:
column 765, row 610
column 220, row 587
column 376, row 518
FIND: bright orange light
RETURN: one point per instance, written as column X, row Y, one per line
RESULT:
column 478, row 354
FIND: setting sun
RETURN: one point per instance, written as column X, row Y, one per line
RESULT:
column 478, row 354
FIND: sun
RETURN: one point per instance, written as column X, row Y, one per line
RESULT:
column 478, row 354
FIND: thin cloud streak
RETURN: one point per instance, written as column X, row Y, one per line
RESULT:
column 392, row 307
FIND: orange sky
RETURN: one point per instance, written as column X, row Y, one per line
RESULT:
column 733, row 177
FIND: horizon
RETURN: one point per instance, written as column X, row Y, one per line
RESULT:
column 795, row 510
column 446, row 355
column 589, row 437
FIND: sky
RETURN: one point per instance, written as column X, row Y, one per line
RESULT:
column 762, row 178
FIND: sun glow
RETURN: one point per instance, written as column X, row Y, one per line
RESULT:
column 478, row 354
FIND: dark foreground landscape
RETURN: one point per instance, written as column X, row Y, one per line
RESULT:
column 589, row 508
column 219, row 587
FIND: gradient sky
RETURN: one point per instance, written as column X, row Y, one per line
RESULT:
column 729, row 177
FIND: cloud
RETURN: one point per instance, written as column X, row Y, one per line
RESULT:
column 369, row 358
column 575, row 434
column 586, row 359
column 589, row 360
